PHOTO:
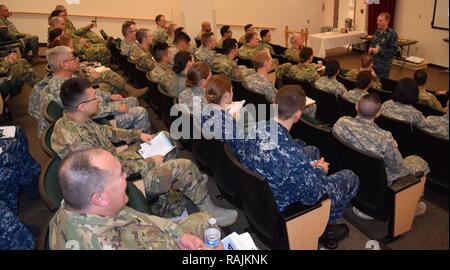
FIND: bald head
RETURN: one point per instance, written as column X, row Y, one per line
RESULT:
column 297, row 40
column 57, row 22
column 369, row 106
column 206, row 27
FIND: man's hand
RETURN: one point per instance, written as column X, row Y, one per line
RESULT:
column 191, row 242
column 122, row 108
column 158, row 160
column 374, row 74
column 322, row 164
column 374, row 50
column 12, row 58
column 145, row 137
column 116, row 97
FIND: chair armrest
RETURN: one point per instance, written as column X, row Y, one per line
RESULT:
column 297, row 209
column 403, row 183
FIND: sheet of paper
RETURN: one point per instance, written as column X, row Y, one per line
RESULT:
column 7, row 132
column 309, row 101
column 102, row 69
column 159, row 146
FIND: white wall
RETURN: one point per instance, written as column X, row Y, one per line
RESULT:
column 413, row 21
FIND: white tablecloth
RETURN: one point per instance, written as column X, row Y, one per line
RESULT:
column 322, row 42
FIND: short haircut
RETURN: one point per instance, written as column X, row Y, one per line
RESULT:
column 196, row 73
column 79, row 179
column 248, row 37
column 126, row 27
column 406, row 92
column 206, row 37
column 369, row 105
column 53, row 20
column 62, row 40
column 216, row 87
column 179, row 30
column 54, row 56
column 363, row 80
column 141, row 34
column 53, row 33
column 366, row 60
column 73, row 91
column 181, row 37
column 305, row 54
column 421, row 77
column 159, row 50
column 158, row 18
column 332, row 68
column 386, row 15
column 55, row 13
column 293, row 38
column 180, row 61
column 229, row 45
column 60, row 7
column 224, row 29
column 248, row 26
column 261, row 58
column 264, row 33
column 290, row 99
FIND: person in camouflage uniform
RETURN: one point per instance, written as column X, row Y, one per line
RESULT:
column 259, row 82
column 129, row 30
column 206, row 52
column 384, row 46
column 363, row 81
column 249, row 28
column 329, row 83
column 226, row 63
column 305, row 70
column 18, row 170
column 19, row 69
column 34, row 106
column 162, row 74
column 293, row 54
column 425, row 98
column 226, row 33
column 97, row 218
column 197, row 76
column 295, row 172
column 401, row 106
column 31, row 42
column 366, row 64
column 266, row 38
column 436, row 125
column 140, row 55
column 250, row 48
column 182, row 63
column 85, row 32
column 182, row 43
column 206, row 28
column 13, row 234
column 75, row 131
column 160, row 34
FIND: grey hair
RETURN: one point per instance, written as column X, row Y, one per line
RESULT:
column 54, row 56
column 294, row 38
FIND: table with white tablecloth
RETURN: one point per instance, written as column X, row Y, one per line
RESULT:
column 322, row 42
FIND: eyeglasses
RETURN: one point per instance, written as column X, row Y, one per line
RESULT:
column 87, row 101
column 72, row 59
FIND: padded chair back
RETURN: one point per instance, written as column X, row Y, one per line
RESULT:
column 151, row 97
column 435, row 151
column 245, row 62
column 383, row 94
column 198, row 42
column 313, row 133
column 402, row 132
column 250, row 97
column 427, row 110
column 165, row 103
column 345, row 107
column 371, row 196
column 388, row 84
column 218, row 50
column 49, row 188
column 259, row 204
column 327, row 106
column 140, row 77
column 349, row 84
column 46, row 140
column 136, row 199
column 279, row 50
column 53, row 112
column 104, row 35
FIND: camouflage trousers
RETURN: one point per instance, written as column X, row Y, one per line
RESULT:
column 382, row 67
column 341, row 186
column 195, row 223
column 17, row 169
column 22, row 71
column 172, row 180
column 415, row 164
column 97, row 53
column 13, row 234
column 116, row 81
column 93, row 38
column 31, row 44
column 136, row 117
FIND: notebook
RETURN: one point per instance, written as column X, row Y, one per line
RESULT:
column 158, row 146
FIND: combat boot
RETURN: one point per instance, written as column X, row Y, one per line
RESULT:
column 223, row 216
column 134, row 92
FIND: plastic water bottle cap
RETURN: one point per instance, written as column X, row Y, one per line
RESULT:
column 212, row 221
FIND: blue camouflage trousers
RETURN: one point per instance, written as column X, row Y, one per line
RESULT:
column 13, row 234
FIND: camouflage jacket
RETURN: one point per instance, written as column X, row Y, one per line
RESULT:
column 354, row 95
column 247, row 52
column 429, row 99
column 330, row 85
column 223, row 64
column 205, row 55
column 142, row 58
column 177, row 84
column 12, row 30
column 261, row 85
column 34, row 104
column 162, row 75
column 353, row 74
column 401, row 112
column 69, row 136
column 187, row 97
column 436, row 125
column 264, row 45
column 71, row 28
column 126, row 47
column 160, row 35
column 130, row 229
column 303, row 72
column 292, row 55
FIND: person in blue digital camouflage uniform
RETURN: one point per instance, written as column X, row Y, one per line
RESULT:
column 13, row 234
column 383, row 46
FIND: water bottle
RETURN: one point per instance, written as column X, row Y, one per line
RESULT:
column 212, row 234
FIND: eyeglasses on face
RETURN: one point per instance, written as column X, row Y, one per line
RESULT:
column 72, row 59
column 86, row 101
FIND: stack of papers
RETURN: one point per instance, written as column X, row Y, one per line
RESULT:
column 158, row 146
column 235, row 241
column 7, row 132
column 415, row 59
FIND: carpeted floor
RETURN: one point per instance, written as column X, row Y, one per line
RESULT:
column 429, row 231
